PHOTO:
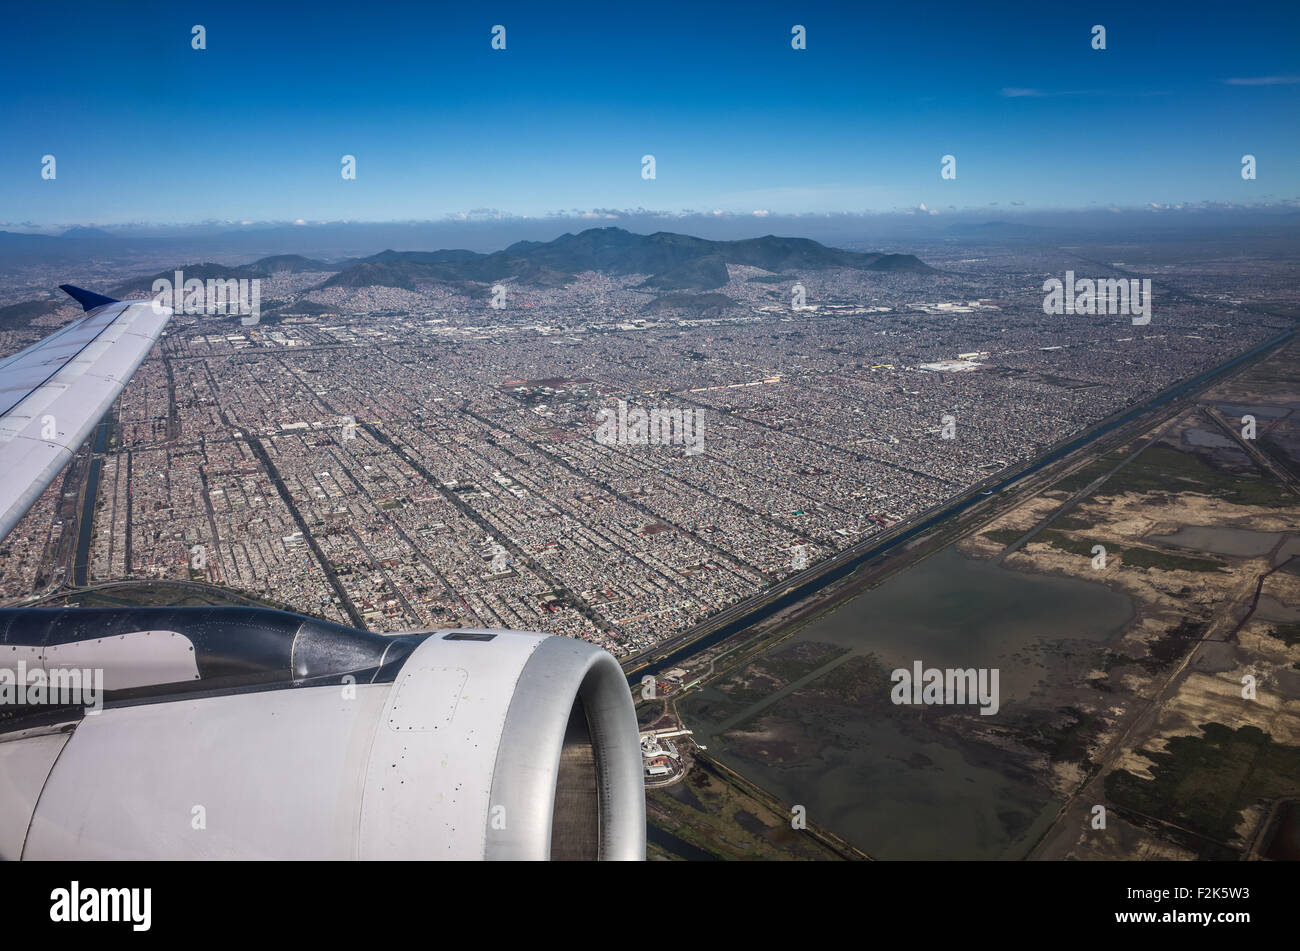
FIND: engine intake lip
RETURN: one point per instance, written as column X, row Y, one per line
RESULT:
column 565, row 677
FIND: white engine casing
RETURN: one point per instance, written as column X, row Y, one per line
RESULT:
column 462, row 756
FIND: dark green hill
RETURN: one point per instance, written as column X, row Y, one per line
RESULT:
column 711, row 304
column 18, row 316
column 700, row 274
column 143, row 286
column 294, row 263
column 671, row 261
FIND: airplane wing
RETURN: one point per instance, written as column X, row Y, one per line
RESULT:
column 304, row 738
column 53, row 394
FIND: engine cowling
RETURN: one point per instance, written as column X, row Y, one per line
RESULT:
column 240, row 733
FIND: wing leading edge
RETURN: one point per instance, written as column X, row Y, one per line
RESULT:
column 54, row 393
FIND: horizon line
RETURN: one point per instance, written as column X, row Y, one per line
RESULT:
column 485, row 216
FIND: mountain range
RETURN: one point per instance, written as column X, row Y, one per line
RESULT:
column 671, row 262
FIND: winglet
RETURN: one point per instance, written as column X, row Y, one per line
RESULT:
column 87, row 299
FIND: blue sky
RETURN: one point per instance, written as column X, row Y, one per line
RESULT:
column 144, row 128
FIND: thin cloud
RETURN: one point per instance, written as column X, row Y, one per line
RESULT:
column 1263, row 81
column 1016, row 92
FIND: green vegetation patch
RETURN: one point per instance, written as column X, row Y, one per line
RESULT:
column 728, row 822
column 1081, row 478
column 1173, row 644
column 1202, row 783
column 1162, row 469
column 1003, row 536
column 791, row 661
column 1280, row 454
column 1150, row 558
column 1075, row 546
column 1133, row 557
column 748, row 685
column 1288, row 634
column 1111, row 659
column 1068, row 740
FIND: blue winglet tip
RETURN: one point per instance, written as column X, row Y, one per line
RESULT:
column 87, row 299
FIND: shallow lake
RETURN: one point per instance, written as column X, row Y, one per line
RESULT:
column 892, row 795
column 1221, row 541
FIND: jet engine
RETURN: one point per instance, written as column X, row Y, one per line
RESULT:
column 249, row 733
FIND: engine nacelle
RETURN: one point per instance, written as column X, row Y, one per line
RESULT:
column 243, row 733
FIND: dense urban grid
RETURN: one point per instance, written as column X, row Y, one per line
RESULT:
column 407, row 459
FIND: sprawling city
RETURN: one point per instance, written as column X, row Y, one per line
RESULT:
column 785, row 436
column 404, row 459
